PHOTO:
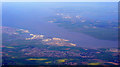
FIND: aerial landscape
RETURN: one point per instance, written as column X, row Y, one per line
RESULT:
column 59, row 33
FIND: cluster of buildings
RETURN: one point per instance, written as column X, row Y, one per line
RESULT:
column 12, row 31
column 113, row 50
column 42, row 52
column 59, row 14
column 56, row 39
column 51, row 41
column 35, row 37
column 23, row 31
column 57, row 42
column 67, row 17
column 8, row 30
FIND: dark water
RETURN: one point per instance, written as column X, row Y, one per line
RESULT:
column 32, row 16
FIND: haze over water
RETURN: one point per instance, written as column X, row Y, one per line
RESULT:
column 32, row 16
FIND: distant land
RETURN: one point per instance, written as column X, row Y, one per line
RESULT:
column 98, row 26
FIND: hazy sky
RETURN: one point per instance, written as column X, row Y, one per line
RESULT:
column 59, row 0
